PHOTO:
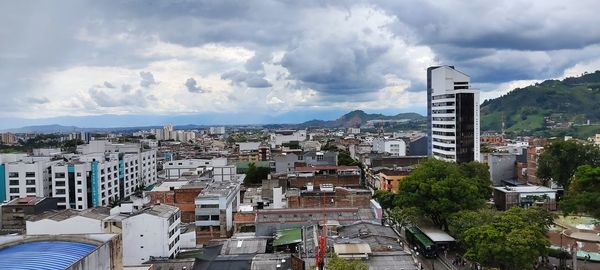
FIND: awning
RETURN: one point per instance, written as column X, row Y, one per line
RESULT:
column 287, row 237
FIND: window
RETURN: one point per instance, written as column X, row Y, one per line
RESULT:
column 60, row 191
column 141, row 235
column 29, row 182
column 30, row 190
column 79, row 199
column 13, row 174
column 202, row 217
column 30, row 174
column 79, row 182
column 60, row 183
column 13, row 182
column 79, row 190
column 14, row 190
column 214, row 217
column 59, row 175
column 79, row 175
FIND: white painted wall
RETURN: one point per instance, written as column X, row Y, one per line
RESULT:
column 73, row 225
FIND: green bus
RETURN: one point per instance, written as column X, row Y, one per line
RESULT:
column 416, row 238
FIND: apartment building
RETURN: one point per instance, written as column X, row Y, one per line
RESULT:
column 452, row 115
column 26, row 177
column 215, row 206
column 393, row 147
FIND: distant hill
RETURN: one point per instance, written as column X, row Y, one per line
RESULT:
column 352, row 119
column 359, row 118
column 553, row 105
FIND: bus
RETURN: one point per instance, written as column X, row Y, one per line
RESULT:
column 416, row 238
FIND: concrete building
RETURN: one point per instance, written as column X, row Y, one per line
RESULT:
column 17, row 211
column 452, row 115
column 8, row 138
column 390, row 180
column 69, row 252
column 394, row 147
column 281, row 137
column 524, row 196
column 177, row 168
column 26, row 177
column 328, row 196
column 502, row 167
column 68, row 221
column 269, row 221
column 216, row 130
column 181, row 194
column 286, row 162
column 215, row 206
column 150, row 233
column 344, row 176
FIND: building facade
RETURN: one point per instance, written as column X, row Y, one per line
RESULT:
column 452, row 115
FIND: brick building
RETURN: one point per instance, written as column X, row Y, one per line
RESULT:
column 181, row 194
column 345, row 176
column 328, row 195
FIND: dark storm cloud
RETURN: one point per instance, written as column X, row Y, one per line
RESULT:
column 493, row 42
column 253, row 80
column 193, row 86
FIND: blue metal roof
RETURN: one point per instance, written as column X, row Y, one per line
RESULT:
column 49, row 255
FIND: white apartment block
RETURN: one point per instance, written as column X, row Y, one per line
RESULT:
column 453, row 115
column 151, row 232
column 280, row 137
column 176, row 168
column 216, row 130
column 214, row 209
column 26, row 177
column 394, row 147
column 84, row 183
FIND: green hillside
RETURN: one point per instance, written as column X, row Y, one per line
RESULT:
column 552, row 108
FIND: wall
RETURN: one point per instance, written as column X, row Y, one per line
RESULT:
column 74, row 225
column 336, row 180
column 144, row 235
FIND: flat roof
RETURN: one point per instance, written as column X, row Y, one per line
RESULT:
column 48, row 255
column 288, row 236
column 437, row 235
column 525, row 189
column 167, row 185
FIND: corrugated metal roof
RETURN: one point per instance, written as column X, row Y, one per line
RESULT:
column 48, row 255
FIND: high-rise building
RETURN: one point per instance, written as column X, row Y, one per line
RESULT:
column 452, row 115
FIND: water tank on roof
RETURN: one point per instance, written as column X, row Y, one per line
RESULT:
column 309, row 187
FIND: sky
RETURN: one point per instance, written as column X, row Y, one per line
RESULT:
column 130, row 63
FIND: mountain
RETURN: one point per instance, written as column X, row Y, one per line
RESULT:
column 352, row 119
column 553, row 105
column 359, row 118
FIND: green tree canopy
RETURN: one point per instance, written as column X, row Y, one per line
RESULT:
column 439, row 189
column 462, row 221
column 560, row 159
column 255, row 175
column 385, row 198
column 514, row 239
column 337, row 263
column 584, row 193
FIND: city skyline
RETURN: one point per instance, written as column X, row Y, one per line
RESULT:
column 137, row 64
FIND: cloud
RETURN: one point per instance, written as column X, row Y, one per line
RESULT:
column 108, row 85
column 274, row 56
column 147, row 79
column 38, row 100
column 193, row 86
column 253, row 80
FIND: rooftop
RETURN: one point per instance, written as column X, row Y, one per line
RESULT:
column 26, row 201
column 43, row 255
column 160, row 210
column 325, row 167
column 525, row 189
column 99, row 213
column 219, row 189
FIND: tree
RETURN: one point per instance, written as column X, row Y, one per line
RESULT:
column 584, row 193
column 255, row 175
column 404, row 216
column 461, row 222
column 513, row 240
column 337, row 263
column 439, row 189
column 560, row 159
column 385, row 198
column 151, row 137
